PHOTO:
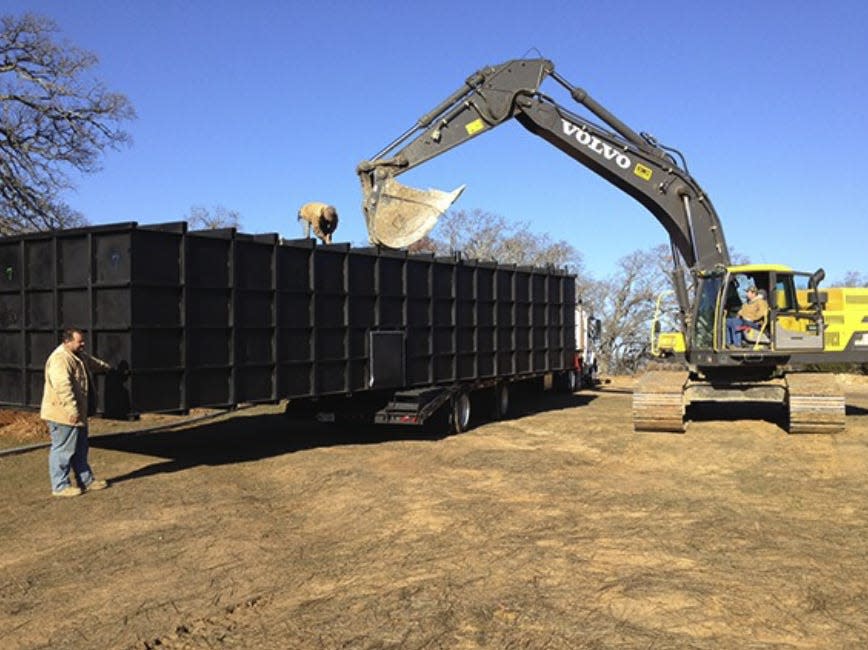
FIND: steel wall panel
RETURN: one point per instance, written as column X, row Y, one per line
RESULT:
column 217, row 317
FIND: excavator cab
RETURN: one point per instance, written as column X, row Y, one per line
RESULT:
column 791, row 318
column 793, row 322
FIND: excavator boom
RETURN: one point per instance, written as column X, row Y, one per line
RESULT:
column 397, row 215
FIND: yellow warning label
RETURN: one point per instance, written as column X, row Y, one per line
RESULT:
column 475, row 126
column 643, row 172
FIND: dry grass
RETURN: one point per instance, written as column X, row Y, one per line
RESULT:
column 560, row 528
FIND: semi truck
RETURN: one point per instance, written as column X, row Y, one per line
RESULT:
column 588, row 330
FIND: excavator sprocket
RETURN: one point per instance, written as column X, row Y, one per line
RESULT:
column 815, row 403
column 658, row 401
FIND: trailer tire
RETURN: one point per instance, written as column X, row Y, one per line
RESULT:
column 500, row 401
column 567, row 382
column 459, row 415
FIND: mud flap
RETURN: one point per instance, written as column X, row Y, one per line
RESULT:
column 398, row 216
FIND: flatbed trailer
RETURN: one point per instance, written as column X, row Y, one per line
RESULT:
column 217, row 318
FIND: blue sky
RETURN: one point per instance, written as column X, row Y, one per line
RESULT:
column 261, row 106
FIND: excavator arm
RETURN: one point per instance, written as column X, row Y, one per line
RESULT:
column 397, row 215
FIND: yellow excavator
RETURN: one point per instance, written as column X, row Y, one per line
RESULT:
column 723, row 362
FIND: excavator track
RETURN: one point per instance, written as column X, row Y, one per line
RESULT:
column 658, row 401
column 815, row 403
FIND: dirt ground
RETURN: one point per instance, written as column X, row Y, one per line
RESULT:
column 560, row 528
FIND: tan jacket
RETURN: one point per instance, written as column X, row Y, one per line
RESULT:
column 315, row 214
column 755, row 310
column 67, row 383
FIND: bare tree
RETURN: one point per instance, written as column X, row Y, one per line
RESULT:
column 852, row 279
column 53, row 118
column 483, row 235
column 201, row 218
column 424, row 245
column 625, row 304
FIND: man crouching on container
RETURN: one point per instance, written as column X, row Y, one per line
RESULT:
column 68, row 398
column 323, row 218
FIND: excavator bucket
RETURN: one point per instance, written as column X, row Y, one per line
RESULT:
column 399, row 215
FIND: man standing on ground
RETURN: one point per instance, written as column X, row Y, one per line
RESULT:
column 68, row 398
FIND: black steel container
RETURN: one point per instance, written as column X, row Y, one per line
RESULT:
column 121, row 284
column 217, row 318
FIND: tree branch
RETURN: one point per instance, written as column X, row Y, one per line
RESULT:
column 52, row 120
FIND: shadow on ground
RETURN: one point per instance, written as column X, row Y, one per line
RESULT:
column 856, row 410
column 729, row 412
column 254, row 437
column 773, row 413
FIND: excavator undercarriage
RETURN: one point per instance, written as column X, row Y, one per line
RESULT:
column 814, row 402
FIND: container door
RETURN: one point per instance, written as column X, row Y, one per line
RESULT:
column 387, row 359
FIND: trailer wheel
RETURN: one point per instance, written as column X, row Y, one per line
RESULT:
column 460, row 415
column 567, row 382
column 500, row 401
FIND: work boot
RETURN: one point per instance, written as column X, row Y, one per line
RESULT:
column 68, row 491
column 96, row 484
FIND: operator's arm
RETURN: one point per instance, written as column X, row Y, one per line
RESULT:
column 94, row 364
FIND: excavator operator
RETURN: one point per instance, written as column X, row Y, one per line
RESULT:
column 752, row 314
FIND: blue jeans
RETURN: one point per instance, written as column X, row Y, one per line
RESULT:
column 69, row 449
column 734, row 336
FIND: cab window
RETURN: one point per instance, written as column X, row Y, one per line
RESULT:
column 784, row 298
column 707, row 304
